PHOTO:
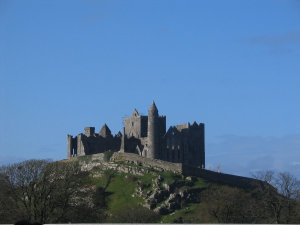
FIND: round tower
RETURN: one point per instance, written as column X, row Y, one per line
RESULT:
column 153, row 132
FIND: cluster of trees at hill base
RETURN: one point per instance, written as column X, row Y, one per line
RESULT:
column 56, row 192
column 60, row 192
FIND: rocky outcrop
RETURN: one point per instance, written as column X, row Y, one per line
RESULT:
column 97, row 161
column 162, row 197
column 127, row 163
column 138, row 165
column 155, row 164
column 165, row 198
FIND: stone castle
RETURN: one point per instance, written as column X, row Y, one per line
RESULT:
column 147, row 137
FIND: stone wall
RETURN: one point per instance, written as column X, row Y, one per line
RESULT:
column 97, row 161
column 229, row 179
column 138, row 165
column 146, row 162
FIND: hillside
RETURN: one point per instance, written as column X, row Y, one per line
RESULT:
column 126, row 188
column 131, row 183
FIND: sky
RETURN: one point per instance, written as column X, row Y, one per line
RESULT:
column 233, row 65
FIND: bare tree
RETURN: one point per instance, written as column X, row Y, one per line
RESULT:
column 21, row 179
column 9, row 212
column 267, row 176
column 229, row 205
column 55, row 189
column 44, row 191
column 282, row 204
column 288, row 186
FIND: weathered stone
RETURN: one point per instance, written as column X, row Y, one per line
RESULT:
column 188, row 178
column 146, row 205
column 166, row 186
column 173, row 198
column 162, row 210
column 152, row 202
column 173, row 205
column 145, row 136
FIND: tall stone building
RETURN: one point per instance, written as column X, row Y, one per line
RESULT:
column 146, row 136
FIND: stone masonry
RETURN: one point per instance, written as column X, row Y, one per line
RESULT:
column 147, row 137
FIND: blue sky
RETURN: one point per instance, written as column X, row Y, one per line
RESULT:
column 233, row 65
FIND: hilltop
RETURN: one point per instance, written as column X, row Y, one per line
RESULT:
column 128, row 188
column 133, row 182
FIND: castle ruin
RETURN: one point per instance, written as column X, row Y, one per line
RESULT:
column 147, row 137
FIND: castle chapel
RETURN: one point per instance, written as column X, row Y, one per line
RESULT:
column 146, row 136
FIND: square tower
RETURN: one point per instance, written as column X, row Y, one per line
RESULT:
column 89, row 131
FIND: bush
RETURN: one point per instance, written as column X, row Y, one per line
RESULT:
column 107, row 155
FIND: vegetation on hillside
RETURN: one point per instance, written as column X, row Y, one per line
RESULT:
column 60, row 192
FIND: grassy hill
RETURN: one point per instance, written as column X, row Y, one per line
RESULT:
column 127, row 188
column 122, row 188
column 130, row 186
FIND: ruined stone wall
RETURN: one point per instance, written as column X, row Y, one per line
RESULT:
column 232, row 180
column 87, row 145
column 145, row 165
column 131, row 144
column 180, row 127
column 80, row 145
column 136, row 125
column 195, row 137
column 173, row 147
column 162, row 125
column 89, row 131
column 70, row 145
column 146, row 136
column 147, row 162
column 202, row 145
column 144, row 126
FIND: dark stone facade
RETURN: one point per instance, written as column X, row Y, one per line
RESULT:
column 146, row 136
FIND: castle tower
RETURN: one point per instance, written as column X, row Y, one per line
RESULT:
column 153, row 132
column 89, row 131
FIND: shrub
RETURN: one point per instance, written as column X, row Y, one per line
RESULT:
column 107, row 155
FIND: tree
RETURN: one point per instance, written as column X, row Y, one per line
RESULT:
column 288, row 186
column 55, row 190
column 229, row 205
column 282, row 203
column 267, row 176
column 9, row 212
column 21, row 179
column 51, row 192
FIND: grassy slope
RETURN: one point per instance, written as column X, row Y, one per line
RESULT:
column 121, row 188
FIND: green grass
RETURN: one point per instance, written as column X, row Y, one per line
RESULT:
column 169, row 177
column 85, row 158
column 120, row 191
column 200, row 183
column 147, row 181
column 190, row 211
